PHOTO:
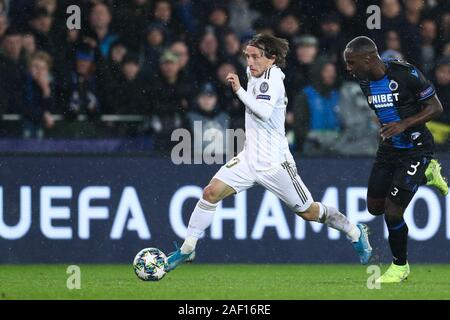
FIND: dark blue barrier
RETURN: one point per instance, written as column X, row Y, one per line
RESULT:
column 105, row 209
column 71, row 146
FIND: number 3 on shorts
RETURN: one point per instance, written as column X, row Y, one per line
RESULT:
column 394, row 193
column 414, row 169
column 232, row 162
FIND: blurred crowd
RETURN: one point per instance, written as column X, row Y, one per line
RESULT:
column 167, row 61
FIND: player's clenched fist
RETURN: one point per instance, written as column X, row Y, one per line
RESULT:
column 233, row 79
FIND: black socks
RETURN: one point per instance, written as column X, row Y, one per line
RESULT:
column 398, row 239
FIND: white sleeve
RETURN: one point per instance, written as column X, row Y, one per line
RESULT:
column 267, row 94
column 262, row 109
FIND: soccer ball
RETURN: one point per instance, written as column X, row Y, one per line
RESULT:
column 149, row 264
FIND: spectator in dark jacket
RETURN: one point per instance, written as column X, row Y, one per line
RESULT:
column 70, row 40
column 41, row 26
column 208, row 58
column 131, row 19
column 83, row 94
column 352, row 21
column 100, row 19
column 218, row 19
column 391, row 14
column 394, row 19
column 130, row 94
column 298, row 75
column 155, row 39
column 233, row 52
column 38, row 96
column 12, row 71
column 170, row 95
column 163, row 14
column 288, row 27
column 278, row 8
column 181, row 49
column 233, row 48
column 332, row 40
column 116, row 55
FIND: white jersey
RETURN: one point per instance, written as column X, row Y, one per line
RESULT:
column 266, row 145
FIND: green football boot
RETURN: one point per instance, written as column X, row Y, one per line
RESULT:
column 434, row 177
column 394, row 274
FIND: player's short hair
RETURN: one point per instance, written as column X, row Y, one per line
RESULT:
column 362, row 44
column 271, row 46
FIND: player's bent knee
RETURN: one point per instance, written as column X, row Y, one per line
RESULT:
column 211, row 194
column 375, row 210
column 376, row 207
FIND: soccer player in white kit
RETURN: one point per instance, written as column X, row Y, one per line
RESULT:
column 265, row 159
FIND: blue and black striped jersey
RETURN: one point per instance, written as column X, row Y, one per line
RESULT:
column 399, row 95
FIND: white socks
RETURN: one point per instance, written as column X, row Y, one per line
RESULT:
column 200, row 220
column 336, row 220
column 203, row 215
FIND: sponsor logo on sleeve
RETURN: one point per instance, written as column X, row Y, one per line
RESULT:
column 263, row 97
column 427, row 92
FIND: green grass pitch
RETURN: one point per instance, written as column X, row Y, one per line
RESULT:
column 221, row 281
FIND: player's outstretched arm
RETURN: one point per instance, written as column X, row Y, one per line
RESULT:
column 431, row 109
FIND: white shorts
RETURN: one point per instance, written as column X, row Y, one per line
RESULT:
column 283, row 181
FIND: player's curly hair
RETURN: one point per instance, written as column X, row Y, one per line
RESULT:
column 271, row 46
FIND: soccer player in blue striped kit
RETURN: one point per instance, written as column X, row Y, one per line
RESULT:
column 403, row 100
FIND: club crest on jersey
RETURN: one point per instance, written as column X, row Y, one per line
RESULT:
column 393, row 85
column 264, row 87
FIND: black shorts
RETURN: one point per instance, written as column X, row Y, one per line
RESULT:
column 397, row 174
